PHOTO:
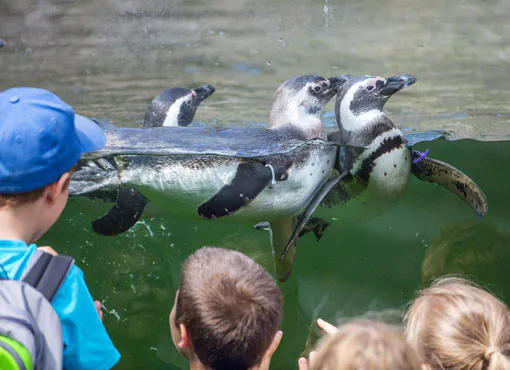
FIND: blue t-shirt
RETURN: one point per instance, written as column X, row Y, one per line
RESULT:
column 86, row 342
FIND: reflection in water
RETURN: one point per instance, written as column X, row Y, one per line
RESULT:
column 477, row 251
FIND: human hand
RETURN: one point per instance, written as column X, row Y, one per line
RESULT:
column 266, row 359
column 98, row 309
column 49, row 250
column 326, row 327
column 306, row 365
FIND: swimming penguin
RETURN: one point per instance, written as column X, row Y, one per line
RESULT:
column 176, row 106
column 376, row 162
column 246, row 174
column 172, row 107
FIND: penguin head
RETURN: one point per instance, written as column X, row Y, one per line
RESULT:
column 300, row 100
column 361, row 99
column 176, row 106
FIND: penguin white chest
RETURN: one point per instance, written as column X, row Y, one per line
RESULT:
column 391, row 172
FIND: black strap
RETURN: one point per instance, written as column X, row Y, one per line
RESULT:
column 47, row 273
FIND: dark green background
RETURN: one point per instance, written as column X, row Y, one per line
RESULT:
column 371, row 267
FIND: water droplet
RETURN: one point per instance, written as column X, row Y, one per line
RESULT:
column 281, row 43
column 268, row 62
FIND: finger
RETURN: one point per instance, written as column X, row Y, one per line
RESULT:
column 274, row 344
column 313, row 356
column 48, row 250
column 326, row 326
column 98, row 309
column 302, row 365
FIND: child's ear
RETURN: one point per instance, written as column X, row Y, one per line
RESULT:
column 59, row 186
column 185, row 342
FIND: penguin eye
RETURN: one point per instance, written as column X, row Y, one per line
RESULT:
column 317, row 89
column 369, row 88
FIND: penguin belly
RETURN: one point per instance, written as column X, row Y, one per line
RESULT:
column 386, row 185
column 179, row 185
column 309, row 170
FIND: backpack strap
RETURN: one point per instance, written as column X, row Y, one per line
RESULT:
column 46, row 272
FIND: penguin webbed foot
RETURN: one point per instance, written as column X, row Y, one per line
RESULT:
column 316, row 225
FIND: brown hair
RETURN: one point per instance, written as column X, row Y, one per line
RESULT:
column 230, row 306
column 367, row 345
column 19, row 199
column 457, row 325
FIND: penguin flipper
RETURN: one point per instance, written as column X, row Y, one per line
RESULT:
column 280, row 233
column 453, row 180
column 123, row 215
column 304, row 218
column 250, row 179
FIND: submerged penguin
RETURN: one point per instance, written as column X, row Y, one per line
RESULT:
column 245, row 174
column 172, row 107
column 376, row 162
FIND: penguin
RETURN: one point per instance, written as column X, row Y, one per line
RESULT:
column 244, row 174
column 375, row 162
column 176, row 106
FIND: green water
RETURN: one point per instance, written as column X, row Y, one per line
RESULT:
column 108, row 58
column 372, row 266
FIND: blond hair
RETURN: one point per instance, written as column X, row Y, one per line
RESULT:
column 457, row 325
column 366, row 345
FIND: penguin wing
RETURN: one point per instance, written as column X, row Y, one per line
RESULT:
column 304, row 218
column 123, row 215
column 453, row 180
column 250, row 179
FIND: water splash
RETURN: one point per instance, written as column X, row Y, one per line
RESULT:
column 326, row 13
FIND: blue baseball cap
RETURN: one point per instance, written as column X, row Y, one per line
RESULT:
column 40, row 139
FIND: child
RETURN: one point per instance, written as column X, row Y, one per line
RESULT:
column 226, row 313
column 457, row 325
column 41, row 139
column 362, row 344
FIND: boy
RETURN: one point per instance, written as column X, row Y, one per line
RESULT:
column 41, row 139
column 226, row 313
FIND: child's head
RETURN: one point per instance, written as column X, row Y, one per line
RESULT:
column 41, row 139
column 368, row 345
column 457, row 325
column 227, row 310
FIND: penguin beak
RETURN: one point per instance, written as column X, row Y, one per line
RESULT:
column 202, row 93
column 396, row 83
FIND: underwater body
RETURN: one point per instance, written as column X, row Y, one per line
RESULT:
column 110, row 58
